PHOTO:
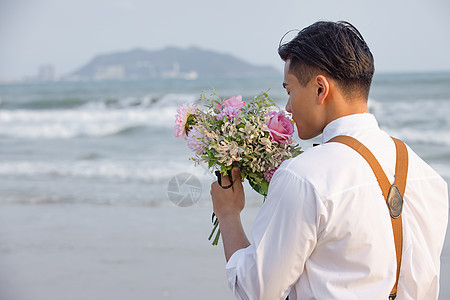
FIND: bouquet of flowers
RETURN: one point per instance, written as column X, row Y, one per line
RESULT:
column 255, row 136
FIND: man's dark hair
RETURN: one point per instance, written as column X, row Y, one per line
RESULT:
column 336, row 48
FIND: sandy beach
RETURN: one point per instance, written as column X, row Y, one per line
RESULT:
column 102, row 252
column 64, row 251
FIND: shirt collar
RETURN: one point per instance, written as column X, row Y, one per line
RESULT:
column 349, row 125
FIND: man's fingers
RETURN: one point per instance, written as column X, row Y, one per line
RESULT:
column 225, row 180
column 235, row 177
column 216, row 186
column 236, row 174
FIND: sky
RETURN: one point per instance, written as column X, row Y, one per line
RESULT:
column 404, row 36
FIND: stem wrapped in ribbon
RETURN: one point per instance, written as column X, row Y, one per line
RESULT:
column 214, row 219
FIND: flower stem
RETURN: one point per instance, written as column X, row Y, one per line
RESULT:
column 216, row 239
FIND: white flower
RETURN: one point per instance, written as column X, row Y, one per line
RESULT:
column 181, row 118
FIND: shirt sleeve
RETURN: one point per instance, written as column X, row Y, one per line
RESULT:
column 284, row 235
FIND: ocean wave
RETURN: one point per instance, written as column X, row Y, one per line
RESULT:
column 100, row 169
column 96, row 102
column 53, row 103
column 420, row 136
column 145, row 102
column 100, row 181
column 65, row 124
column 431, row 113
column 94, row 118
column 418, row 121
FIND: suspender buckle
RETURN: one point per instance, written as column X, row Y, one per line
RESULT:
column 392, row 296
column 394, row 202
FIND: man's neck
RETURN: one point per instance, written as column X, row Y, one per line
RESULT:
column 342, row 107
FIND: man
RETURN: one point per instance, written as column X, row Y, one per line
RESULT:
column 324, row 231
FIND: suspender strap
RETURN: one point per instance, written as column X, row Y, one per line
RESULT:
column 401, row 166
column 389, row 191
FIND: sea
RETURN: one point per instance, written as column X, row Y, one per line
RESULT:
column 112, row 142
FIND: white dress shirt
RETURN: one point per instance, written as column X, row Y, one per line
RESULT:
column 324, row 231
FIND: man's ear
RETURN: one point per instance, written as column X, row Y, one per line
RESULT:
column 323, row 88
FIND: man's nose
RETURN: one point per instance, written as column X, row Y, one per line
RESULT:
column 288, row 107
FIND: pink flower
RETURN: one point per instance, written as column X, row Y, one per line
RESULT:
column 269, row 174
column 230, row 111
column 195, row 140
column 181, row 120
column 280, row 127
column 234, row 102
column 230, row 107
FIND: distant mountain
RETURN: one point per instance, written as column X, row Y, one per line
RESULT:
column 171, row 62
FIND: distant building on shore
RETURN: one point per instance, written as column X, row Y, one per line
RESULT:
column 46, row 73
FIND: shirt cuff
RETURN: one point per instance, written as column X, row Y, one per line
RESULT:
column 231, row 267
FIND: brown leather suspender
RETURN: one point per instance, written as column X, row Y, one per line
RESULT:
column 393, row 194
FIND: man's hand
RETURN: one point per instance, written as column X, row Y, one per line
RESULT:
column 227, row 205
column 228, row 201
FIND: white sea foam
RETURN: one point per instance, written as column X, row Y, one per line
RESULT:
column 126, row 170
column 33, row 124
column 94, row 118
column 171, row 100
